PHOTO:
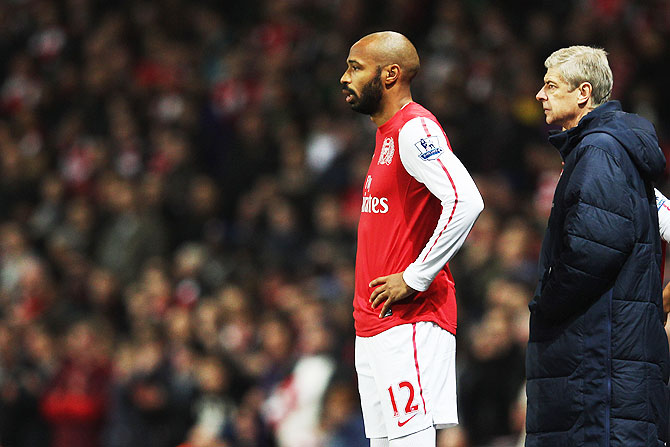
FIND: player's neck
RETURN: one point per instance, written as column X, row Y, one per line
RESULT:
column 389, row 107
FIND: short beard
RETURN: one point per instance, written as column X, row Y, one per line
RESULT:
column 371, row 96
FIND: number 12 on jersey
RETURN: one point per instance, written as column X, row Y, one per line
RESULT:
column 409, row 408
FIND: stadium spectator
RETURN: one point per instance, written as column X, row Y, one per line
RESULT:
column 186, row 125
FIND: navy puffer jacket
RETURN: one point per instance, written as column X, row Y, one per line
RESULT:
column 597, row 360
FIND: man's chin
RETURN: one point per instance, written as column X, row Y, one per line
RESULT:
column 364, row 107
column 357, row 108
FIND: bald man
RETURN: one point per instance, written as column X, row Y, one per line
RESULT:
column 419, row 204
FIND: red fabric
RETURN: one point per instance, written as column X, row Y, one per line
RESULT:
column 64, row 406
column 75, row 405
column 398, row 217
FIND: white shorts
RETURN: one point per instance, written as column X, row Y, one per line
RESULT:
column 407, row 380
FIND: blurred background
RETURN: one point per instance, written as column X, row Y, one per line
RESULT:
column 180, row 184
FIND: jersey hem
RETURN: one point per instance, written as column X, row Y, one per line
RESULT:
column 451, row 328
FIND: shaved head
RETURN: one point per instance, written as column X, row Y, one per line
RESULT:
column 380, row 69
column 389, row 47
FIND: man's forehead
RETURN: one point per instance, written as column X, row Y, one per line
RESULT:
column 356, row 52
column 362, row 52
column 357, row 59
column 553, row 75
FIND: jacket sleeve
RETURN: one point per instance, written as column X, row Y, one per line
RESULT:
column 597, row 234
column 663, row 208
column 426, row 155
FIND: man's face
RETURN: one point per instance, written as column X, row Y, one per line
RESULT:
column 361, row 82
column 559, row 100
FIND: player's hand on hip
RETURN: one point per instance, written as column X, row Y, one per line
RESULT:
column 389, row 289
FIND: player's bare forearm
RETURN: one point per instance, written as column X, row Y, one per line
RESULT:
column 388, row 290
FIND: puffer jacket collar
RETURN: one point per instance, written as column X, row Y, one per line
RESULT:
column 635, row 134
column 566, row 140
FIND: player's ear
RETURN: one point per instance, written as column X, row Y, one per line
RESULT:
column 391, row 74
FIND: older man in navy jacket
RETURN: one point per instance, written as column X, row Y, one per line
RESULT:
column 597, row 360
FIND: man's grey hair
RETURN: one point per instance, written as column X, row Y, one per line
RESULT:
column 579, row 64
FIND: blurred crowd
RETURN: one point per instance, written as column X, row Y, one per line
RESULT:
column 180, row 183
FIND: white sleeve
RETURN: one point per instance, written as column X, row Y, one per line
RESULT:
column 663, row 208
column 426, row 156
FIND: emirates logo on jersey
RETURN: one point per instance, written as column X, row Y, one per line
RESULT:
column 374, row 205
column 388, row 149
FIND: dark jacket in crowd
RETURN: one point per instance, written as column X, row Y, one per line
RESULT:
column 597, row 359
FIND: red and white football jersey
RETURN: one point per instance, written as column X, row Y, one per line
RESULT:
column 419, row 204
